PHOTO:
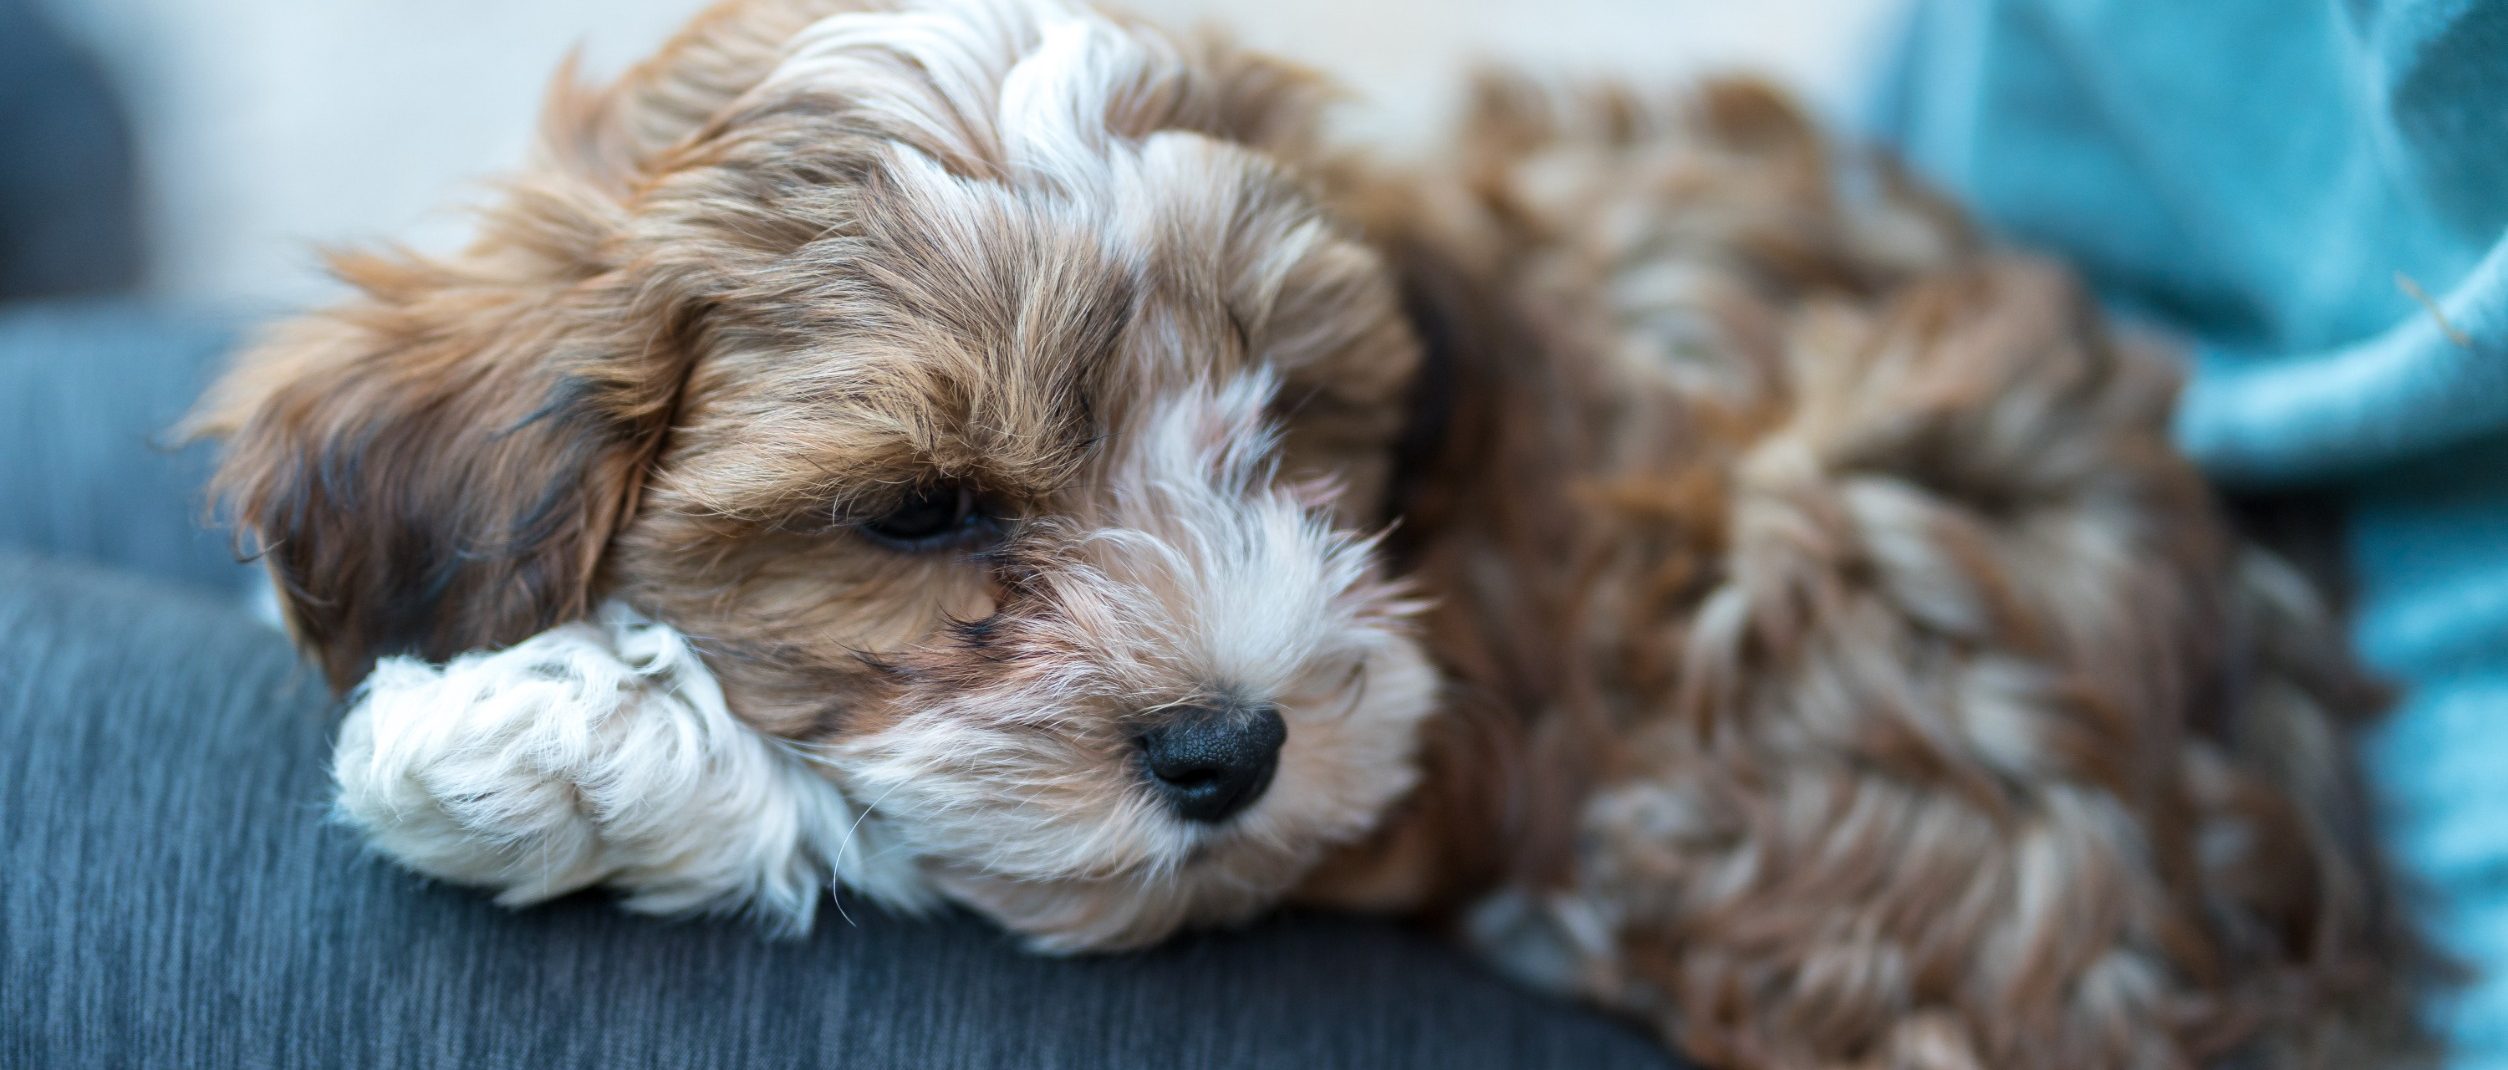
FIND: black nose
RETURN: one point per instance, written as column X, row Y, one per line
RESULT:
column 1211, row 762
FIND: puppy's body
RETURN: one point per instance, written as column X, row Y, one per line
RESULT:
column 1823, row 657
column 1857, row 675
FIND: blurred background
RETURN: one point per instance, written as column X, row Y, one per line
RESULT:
column 265, row 126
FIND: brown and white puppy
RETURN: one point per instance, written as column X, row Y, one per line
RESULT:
column 936, row 443
column 938, row 447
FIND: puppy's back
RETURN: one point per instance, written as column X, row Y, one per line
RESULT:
column 1880, row 686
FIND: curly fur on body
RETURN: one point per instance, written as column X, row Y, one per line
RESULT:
column 1858, row 675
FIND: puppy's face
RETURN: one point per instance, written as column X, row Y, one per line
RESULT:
column 981, row 390
column 1032, row 500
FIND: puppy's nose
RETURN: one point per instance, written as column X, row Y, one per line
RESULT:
column 1211, row 762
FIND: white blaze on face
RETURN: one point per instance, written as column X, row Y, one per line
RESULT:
column 1250, row 585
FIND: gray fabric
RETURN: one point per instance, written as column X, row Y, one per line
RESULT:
column 87, row 393
column 170, row 895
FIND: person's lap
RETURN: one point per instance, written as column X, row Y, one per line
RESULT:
column 173, row 895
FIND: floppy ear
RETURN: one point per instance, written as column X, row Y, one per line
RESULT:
column 436, row 465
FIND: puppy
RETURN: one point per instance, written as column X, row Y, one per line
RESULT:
column 994, row 451
column 939, row 445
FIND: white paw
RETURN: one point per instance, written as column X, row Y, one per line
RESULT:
column 599, row 753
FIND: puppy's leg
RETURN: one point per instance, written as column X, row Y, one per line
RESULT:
column 600, row 753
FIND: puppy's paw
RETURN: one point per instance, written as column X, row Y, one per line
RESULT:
column 469, row 780
column 598, row 753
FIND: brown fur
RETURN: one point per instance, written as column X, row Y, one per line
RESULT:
column 1905, row 697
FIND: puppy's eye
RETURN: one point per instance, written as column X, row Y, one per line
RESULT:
column 938, row 517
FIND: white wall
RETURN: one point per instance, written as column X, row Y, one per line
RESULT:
column 270, row 125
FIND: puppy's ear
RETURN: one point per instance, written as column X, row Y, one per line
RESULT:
column 436, row 465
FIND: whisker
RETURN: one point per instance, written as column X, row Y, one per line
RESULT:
column 836, row 868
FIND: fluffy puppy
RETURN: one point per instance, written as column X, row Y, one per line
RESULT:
column 934, row 443
column 940, row 447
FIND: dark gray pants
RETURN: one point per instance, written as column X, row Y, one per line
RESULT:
column 171, row 894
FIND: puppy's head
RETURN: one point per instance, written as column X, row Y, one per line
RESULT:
column 979, row 385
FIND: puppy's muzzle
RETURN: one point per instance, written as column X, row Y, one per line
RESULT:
column 1208, row 763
